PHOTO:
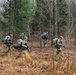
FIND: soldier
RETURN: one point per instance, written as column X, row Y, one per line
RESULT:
column 44, row 38
column 57, row 42
column 22, row 46
column 8, row 41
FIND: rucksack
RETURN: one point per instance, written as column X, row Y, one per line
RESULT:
column 44, row 37
column 55, row 41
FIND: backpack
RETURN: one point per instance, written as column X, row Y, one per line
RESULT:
column 55, row 41
column 44, row 37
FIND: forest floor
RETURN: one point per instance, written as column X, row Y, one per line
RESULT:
column 41, row 63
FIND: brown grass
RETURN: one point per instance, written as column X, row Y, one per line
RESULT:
column 37, row 62
column 60, row 73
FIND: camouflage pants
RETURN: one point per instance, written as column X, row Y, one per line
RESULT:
column 44, row 42
column 9, row 46
column 59, row 49
column 22, row 50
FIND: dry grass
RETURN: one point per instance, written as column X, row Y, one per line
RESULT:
column 27, row 56
column 60, row 73
column 37, row 62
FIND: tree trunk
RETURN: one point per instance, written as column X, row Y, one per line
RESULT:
column 52, row 21
column 56, row 29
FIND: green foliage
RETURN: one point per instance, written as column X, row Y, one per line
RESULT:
column 41, row 18
column 19, row 15
column 62, row 16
